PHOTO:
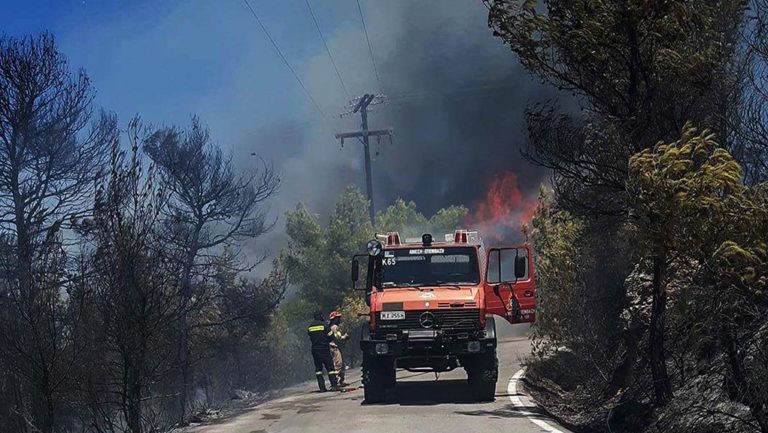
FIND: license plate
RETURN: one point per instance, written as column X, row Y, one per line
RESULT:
column 392, row 315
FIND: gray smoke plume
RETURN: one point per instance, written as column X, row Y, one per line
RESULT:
column 457, row 97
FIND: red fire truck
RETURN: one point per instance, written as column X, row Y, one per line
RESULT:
column 432, row 307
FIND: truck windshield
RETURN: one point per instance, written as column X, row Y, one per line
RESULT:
column 429, row 266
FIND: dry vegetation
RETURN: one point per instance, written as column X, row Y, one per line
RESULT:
column 651, row 246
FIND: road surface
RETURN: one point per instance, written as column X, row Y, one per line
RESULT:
column 418, row 404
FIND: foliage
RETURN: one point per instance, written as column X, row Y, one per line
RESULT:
column 651, row 216
column 692, row 186
column 448, row 219
column 134, row 290
column 559, row 265
column 354, row 317
column 319, row 260
column 634, row 62
column 52, row 151
column 689, row 198
column 102, row 261
column 638, row 70
column 404, row 218
column 682, row 184
column 575, row 341
column 209, row 207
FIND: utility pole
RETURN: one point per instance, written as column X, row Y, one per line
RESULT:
column 361, row 104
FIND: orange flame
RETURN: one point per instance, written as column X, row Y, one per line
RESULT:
column 503, row 211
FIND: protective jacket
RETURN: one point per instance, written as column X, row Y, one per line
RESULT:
column 337, row 339
column 320, row 336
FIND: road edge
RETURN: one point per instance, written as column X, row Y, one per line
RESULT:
column 521, row 401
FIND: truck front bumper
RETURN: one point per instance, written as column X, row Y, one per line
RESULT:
column 428, row 343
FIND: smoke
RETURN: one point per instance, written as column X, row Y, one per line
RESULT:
column 449, row 147
column 456, row 93
column 456, row 102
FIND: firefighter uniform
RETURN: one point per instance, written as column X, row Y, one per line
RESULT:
column 320, row 336
column 337, row 339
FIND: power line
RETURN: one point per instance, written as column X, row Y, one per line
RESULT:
column 370, row 50
column 285, row 60
column 293, row 71
column 327, row 50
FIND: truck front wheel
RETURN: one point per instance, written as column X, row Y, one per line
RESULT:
column 378, row 376
column 482, row 374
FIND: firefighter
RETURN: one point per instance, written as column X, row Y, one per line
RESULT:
column 337, row 341
column 320, row 336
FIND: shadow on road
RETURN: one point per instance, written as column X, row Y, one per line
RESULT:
column 508, row 411
column 429, row 393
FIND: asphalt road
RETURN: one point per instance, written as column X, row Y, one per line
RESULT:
column 420, row 403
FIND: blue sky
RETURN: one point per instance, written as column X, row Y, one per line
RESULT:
column 168, row 59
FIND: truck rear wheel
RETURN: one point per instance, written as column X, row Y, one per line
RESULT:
column 378, row 376
column 482, row 375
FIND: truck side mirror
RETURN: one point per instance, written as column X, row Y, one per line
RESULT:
column 355, row 270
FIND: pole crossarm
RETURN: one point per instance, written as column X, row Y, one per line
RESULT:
column 361, row 102
column 363, row 133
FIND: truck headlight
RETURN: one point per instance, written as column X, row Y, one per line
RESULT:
column 473, row 346
column 382, row 348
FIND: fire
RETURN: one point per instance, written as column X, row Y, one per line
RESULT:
column 503, row 210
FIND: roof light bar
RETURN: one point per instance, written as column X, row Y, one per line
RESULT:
column 462, row 236
column 393, row 238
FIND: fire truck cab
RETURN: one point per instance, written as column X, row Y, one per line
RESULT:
column 432, row 307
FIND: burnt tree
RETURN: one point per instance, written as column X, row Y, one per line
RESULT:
column 209, row 206
column 639, row 72
column 134, row 290
column 49, row 159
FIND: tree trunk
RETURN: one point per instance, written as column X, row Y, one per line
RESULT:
column 184, row 366
column 132, row 387
column 622, row 375
column 747, row 394
column 134, row 409
column 184, row 362
column 45, row 412
column 50, row 422
column 23, row 256
column 662, row 386
column 27, row 314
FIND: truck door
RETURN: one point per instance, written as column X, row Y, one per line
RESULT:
column 510, row 291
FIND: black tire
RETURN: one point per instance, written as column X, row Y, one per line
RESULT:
column 378, row 376
column 482, row 375
column 390, row 375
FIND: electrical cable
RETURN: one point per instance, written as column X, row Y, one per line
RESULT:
column 327, row 50
column 293, row 71
column 285, row 60
column 370, row 49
